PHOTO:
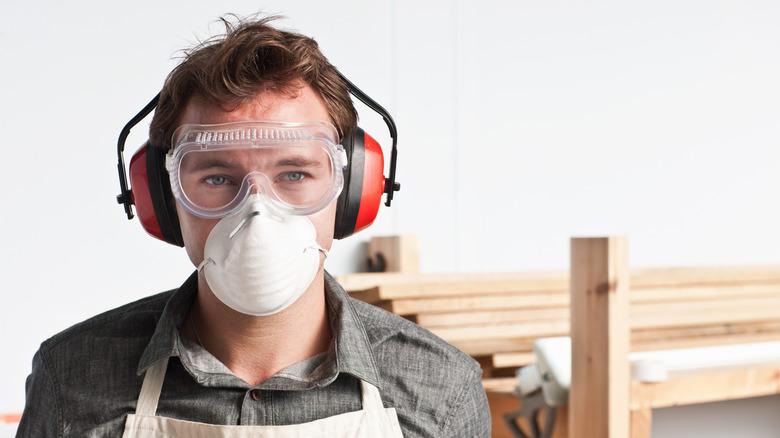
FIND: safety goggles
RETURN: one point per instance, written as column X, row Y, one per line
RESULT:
column 297, row 166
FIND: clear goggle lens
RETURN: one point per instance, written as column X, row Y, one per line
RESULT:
column 299, row 177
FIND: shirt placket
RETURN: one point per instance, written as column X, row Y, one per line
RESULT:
column 257, row 408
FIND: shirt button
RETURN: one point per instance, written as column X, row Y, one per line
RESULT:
column 255, row 394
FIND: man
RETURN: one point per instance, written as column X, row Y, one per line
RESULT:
column 260, row 340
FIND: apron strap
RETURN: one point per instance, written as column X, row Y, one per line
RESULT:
column 386, row 418
column 151, row 388
column 372, row 401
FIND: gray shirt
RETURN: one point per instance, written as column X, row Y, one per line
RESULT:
column 86, row 379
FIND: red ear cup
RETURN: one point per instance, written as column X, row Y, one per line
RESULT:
column 364, row 184
column 141, row 196
column 373, row 183
column 151, row 195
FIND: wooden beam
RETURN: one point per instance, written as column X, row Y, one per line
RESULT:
column 395, row 253
column 703, row 313
column 738, row 335
column 599, row 394
column 537, row 329
column 457, row 285
column 707, row 386
column 641, row 423
column 671, row 326
column 440, row 298
column 643, row 316
column 713, row 292
column 405, row 281
column 464, row 303
column 703, row 276
column 504, row 385
column 513, row 360
column 771, row 327
column 486, row 347
column 648, row 278
column 477, row 317
column 703, row 341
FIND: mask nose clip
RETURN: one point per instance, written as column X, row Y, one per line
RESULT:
column 257, row 205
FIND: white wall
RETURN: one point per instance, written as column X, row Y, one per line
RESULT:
column 520, row 125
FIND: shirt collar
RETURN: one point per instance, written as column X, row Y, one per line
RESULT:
column 163, row 341
column 353, row 352
column 353, row 349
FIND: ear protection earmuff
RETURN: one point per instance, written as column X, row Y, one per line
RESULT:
column 357, row 205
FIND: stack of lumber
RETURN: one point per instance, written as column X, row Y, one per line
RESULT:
column 496, row 317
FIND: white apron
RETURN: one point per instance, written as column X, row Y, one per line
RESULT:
column 374, row 420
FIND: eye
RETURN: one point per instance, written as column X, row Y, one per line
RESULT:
column 216, row 180
column 293, row 176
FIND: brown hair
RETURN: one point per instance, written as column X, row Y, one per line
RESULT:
column 250, row 57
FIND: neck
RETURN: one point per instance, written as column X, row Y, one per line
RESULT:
column 256, row 347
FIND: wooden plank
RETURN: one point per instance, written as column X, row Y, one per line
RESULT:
column 703, row 276
column 512, row 360
column 717, row 312
column 499, row 331
column 405, row 284
column 642, row 315
column 405, row 281
column 398, row 253
column 691, row 294
column 707, row 386
column 494, row 287
column 483, row 301
column 463, row 303
column 599, row 395
column 552, row 328
column 662, row 341
column 486, row 347
column 650, row 326
column 753, row 327
column 705, row 341
column 449, row 288
column 490, row 316
column 501, row 384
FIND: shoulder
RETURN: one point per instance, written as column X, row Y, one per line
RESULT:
column 388, row 331
column 84, row 378
column 106, row 346
column 135, row 319
column 426, row 379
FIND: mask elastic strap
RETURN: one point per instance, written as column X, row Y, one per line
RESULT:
column 320, row 249
column 204, row 263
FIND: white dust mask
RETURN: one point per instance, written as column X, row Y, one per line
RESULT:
column 258, row 261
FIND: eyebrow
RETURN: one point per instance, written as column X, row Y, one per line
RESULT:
column 298, row 162
column 209, row 164
column 222, row 164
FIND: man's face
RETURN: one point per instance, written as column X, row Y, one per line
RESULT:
column 305, row 106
